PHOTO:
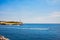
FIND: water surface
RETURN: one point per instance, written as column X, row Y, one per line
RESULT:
column 14, row 32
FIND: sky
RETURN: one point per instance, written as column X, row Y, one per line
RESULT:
column 30, row 11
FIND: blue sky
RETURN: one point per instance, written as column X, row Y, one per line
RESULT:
column 30, row 11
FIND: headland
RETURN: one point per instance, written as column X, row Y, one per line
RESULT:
column 10, row 23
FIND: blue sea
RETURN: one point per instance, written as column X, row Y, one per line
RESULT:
column 31, row 32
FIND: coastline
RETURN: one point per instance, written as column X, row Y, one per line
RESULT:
column 3, row 38
column 10, row 23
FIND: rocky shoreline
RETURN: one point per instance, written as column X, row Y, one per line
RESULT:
column 3, row 38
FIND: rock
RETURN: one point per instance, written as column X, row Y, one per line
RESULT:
column 3, row 38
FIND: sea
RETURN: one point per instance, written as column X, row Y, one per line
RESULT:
column 31, row 31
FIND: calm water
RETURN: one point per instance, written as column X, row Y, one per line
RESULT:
column 14, row 32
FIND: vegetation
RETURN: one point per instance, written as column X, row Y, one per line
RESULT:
column 10, row 23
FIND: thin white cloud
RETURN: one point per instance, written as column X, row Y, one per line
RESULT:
column 54, row 17
column 52, row 2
